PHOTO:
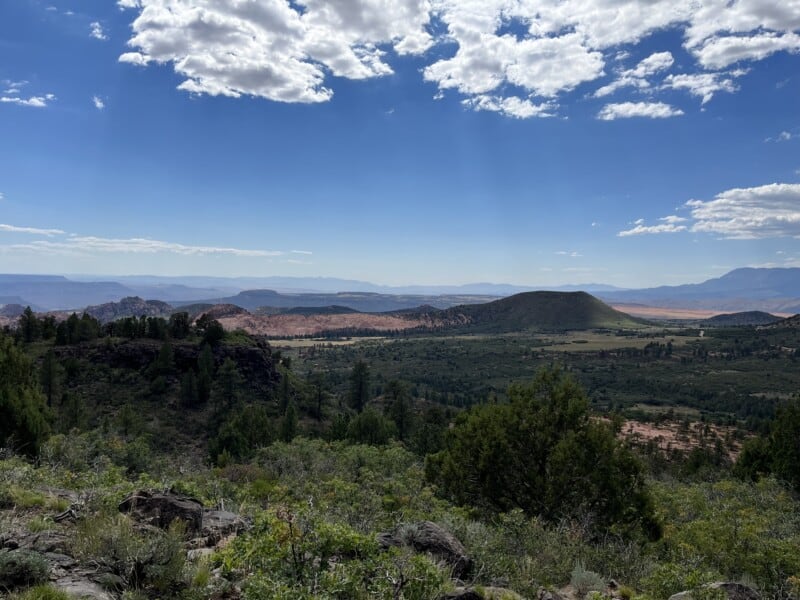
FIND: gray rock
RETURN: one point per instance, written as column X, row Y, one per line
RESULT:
column 545, row 594
column 732, row 590
column 81, row 587
column 61, row 561
column 219, row 524
column 426, row 536
column 46, row 542
column 161, row 510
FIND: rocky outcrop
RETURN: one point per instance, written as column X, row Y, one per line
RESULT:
column 132, row 306
column 205, row 527
column 482, row 593
column 732, row 590
column 160, row 510
column 426, row 536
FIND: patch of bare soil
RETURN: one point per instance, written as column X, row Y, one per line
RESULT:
column 291, row 325
column 659, row 312
column 681, row 436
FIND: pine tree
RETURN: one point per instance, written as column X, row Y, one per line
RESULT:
column 289, row 423
column 400, row 408
column 50, row 377
column 29, row 326
column 359, row 386
column 190, row 395
column 205, row 374
column 23, row 414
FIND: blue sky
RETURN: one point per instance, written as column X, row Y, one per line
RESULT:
column 528, row 142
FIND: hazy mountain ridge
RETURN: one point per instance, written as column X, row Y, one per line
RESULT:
column 253, row 300
column 746, row 289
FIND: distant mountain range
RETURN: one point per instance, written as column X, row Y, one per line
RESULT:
column 747, row 289
column 772, row 290
column 360, row 301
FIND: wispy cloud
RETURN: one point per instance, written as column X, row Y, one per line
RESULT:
column 147, row 246
column 73, row 243
column 98, row 102
column 628, row 110
column 668, row 224
column 30, row 230
column 704, row 85
column 97, row 32
column 638, row 77
column 13, row 88
column 32, row 101
column 783, row 136
column 572, row 254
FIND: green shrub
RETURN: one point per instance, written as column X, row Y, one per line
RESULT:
column 152, row 561
column 42, row 592
column 21, row 568
column 370, row 427
column 18, row 497
column 38, row 524
column 670, row 578
column 731, row 528
column 585, row 581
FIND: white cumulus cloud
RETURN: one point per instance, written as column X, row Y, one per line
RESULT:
column 272, row 50
column 627, row 110
column 513, row 57
column 765, row 211
column 722, row 52
column 98, row 102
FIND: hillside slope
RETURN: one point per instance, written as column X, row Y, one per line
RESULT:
column 741, row 319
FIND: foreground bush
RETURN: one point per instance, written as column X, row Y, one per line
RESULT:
column 19, row 568
column 543, row 454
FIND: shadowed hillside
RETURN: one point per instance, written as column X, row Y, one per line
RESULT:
column 741, row 319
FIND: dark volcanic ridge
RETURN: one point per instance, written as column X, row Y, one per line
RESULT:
column 543, row 311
